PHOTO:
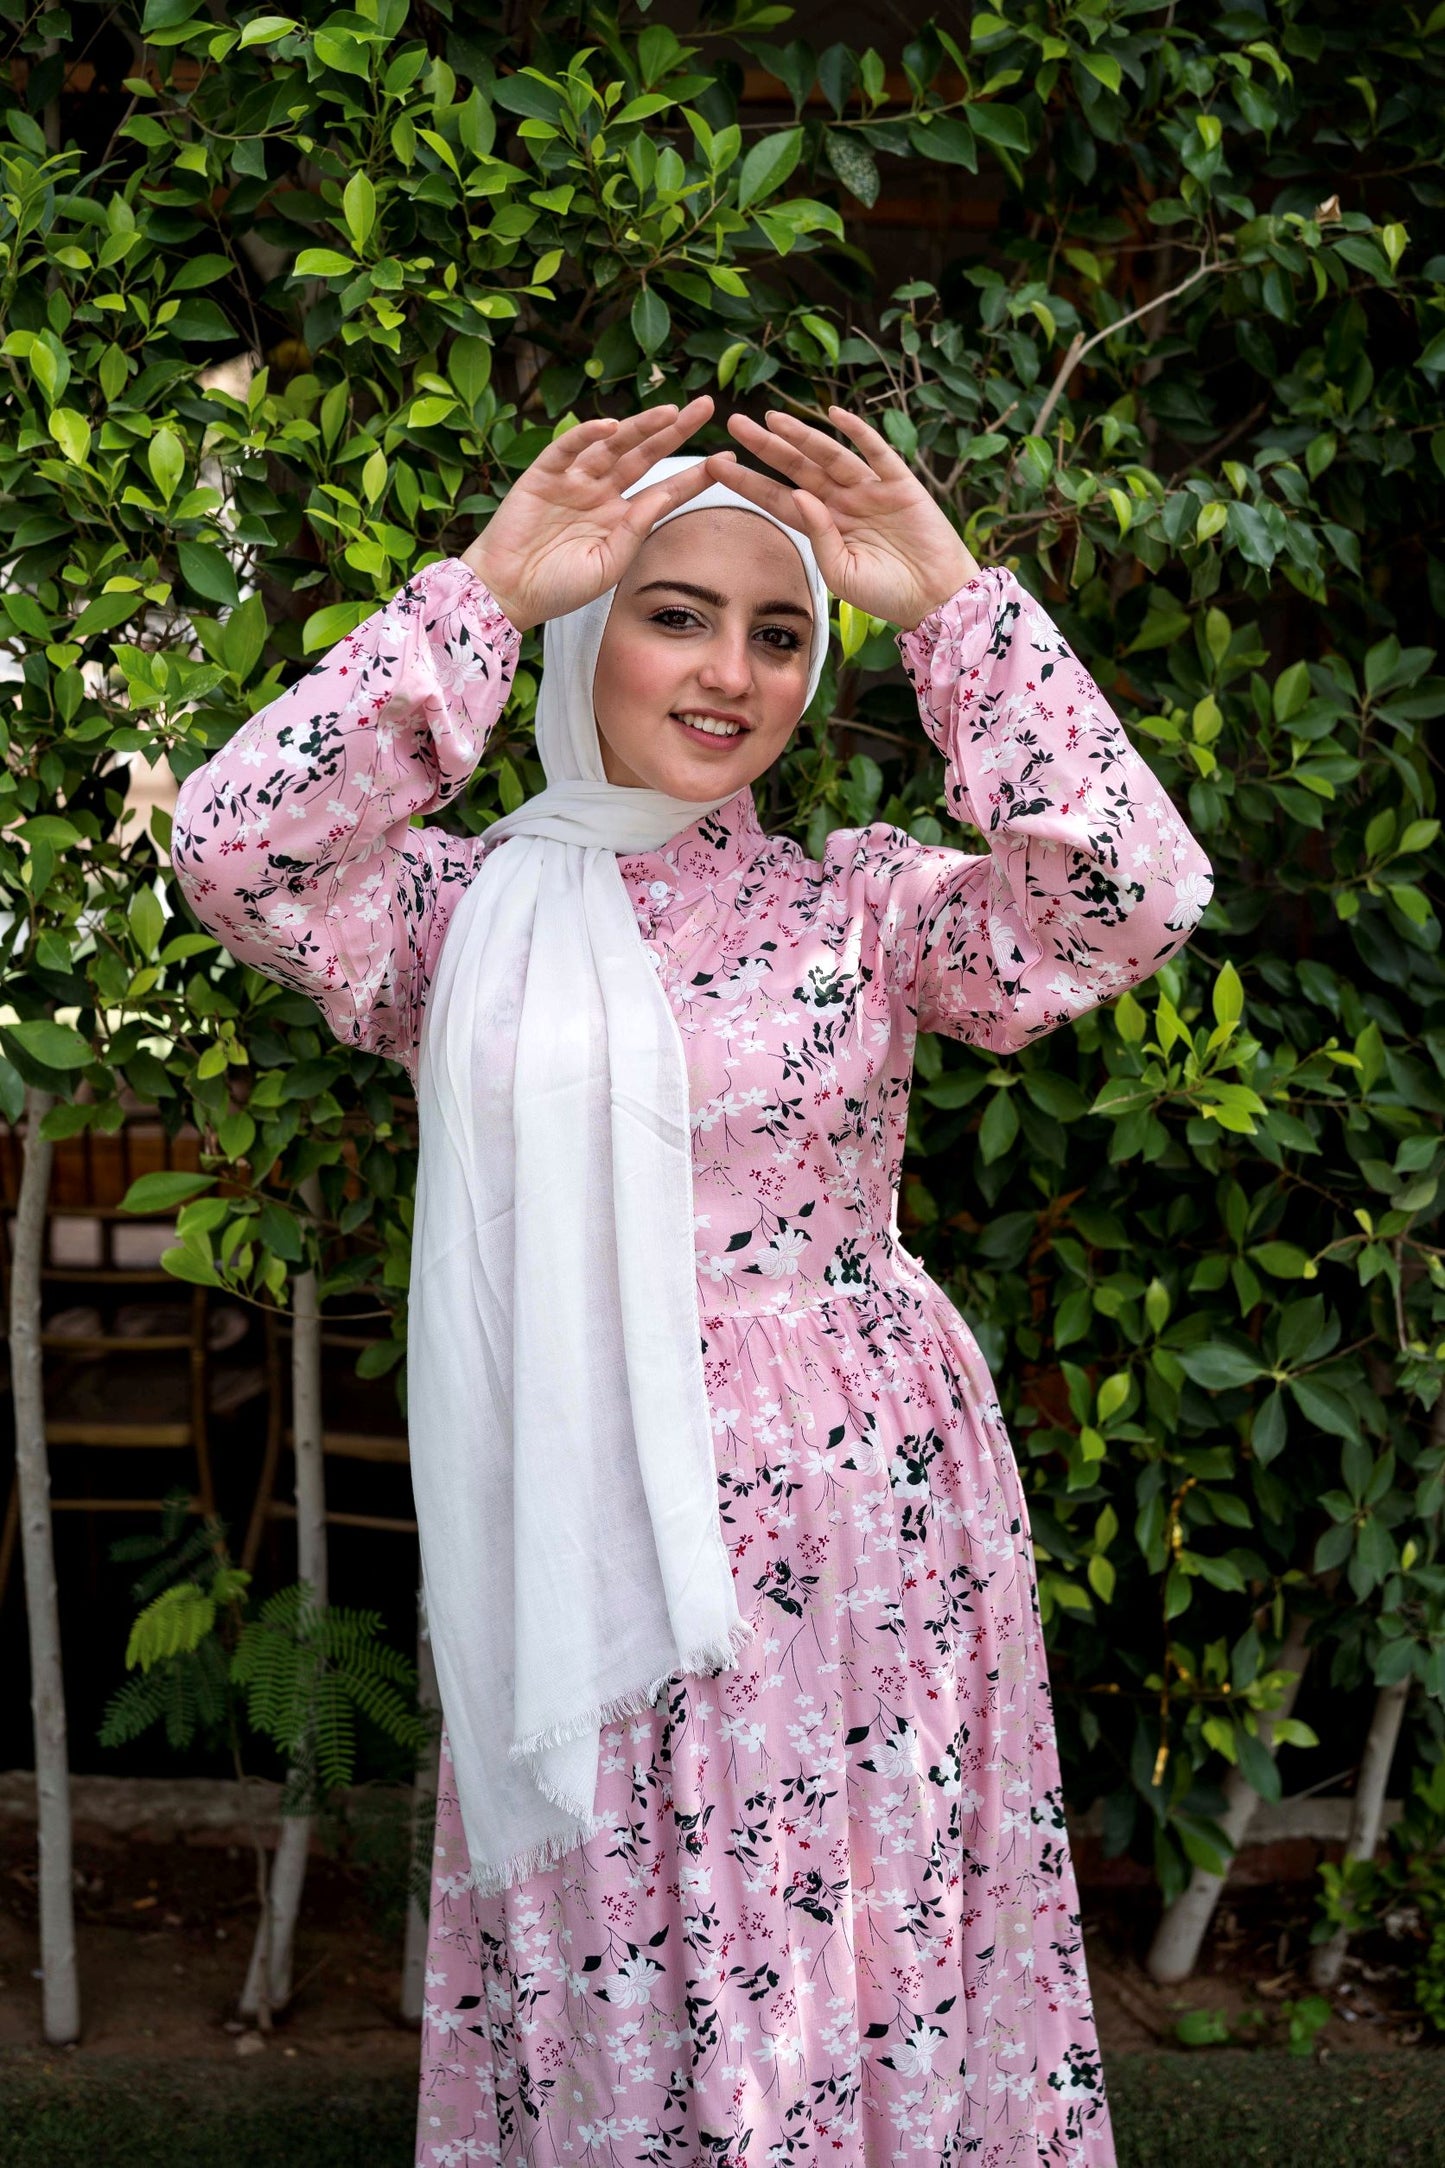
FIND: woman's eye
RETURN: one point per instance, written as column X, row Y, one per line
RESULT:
column 778, row 636
column 675, row 617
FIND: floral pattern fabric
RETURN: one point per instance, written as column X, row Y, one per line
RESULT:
column 831, row 1916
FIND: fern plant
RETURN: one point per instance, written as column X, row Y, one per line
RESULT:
column 295, row 1673
column 299, row 1672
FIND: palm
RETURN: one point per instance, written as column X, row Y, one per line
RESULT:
column 881, row 542
column 564, row 533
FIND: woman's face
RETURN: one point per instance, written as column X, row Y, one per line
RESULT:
column 703, row 666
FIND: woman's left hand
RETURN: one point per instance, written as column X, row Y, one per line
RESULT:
column 880, row 540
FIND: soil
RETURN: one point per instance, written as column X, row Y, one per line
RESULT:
column 164, row 1933
column 164, row 1937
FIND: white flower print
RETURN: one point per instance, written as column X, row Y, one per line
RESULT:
column 914, row 2055
column 1192, row 892
column 783, row 1254
column 632, row 1982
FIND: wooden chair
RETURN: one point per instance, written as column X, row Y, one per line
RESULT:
column 111, row 1258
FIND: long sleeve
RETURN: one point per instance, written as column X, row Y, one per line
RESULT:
column 1092, row 879
column 294, row 844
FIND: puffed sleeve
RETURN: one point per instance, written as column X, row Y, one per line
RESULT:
column 294, row 844
column 1091, row 879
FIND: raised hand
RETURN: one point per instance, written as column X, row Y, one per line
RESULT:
column 880, row 540
column 564, row 533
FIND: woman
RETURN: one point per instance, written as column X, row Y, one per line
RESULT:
column 815, row 1902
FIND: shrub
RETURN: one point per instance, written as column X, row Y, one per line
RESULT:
column 1188, row 389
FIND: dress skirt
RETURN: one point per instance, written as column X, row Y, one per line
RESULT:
column 832, row 1917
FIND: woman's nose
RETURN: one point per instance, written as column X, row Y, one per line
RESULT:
column 726, row 666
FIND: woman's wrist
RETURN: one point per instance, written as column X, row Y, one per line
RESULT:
column 961, row 568
column 477, row 563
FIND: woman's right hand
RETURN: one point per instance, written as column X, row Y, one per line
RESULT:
column 564, row 533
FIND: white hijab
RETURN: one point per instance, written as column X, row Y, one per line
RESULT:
column 561, row 1444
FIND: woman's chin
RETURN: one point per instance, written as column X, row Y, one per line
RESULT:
column 697, row 781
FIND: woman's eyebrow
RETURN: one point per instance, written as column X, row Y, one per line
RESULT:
column 719, row 602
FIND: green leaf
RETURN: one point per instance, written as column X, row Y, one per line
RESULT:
column 147, row 920
column 1002, row 126
column 244, row 638
column 164, row 1191
column 1104, row 68
column 166, row 458
column 1322, row 1405
column 1267, row 1436
column 651, row 320
column 323, row 263
column 207, row 571
column 71, row 432
column 325, row 627
column 1285, row 1260
column 1246, row 528
column 358, row 207
column 344, row 53
column 54, row 1046
column 200, row 271
column 49, row 828
column 947, row 139
column 854, row 165
column 12, row 1091
column 768, row 165
column 266, row 29
column 1228, row 996
column 1220, row 1368
column 426, row 412
column 999, row 1127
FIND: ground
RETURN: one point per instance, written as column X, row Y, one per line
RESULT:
column 164, row 1934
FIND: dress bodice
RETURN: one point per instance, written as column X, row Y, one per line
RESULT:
column 798, row 1052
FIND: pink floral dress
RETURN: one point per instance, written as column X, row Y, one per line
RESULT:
column 832, row 1916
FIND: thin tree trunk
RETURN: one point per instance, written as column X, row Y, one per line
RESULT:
column 423, row 1825
column 61, row 1990
column 1380, row 1743
column 1174, row 1952
column 272, row 1953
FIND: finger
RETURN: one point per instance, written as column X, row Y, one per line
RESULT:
column 628, row 465
column 649, row 505
column 759, row 489
column 573, row 442
column 644, row 437
column 796, row 508
column 882, row 457
column 841, row 464
column 778, row 453
column 633, row 429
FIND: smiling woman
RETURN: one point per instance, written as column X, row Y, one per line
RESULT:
column 749, row 1838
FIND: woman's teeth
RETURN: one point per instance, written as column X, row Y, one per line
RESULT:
column 712, row 724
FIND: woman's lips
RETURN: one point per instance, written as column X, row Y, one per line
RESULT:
column 714, row 739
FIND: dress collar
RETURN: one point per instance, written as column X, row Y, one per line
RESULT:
column 718, row 844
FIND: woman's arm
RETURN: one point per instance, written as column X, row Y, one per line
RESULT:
column 1092, row 879
column 293, row 844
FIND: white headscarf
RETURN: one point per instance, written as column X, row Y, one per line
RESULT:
column 561, row 1443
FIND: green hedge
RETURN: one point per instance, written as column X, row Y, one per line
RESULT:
column 1188, row 388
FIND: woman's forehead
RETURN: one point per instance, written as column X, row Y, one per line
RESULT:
column 737, row 553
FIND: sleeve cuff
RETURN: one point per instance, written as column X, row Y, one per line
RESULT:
column 453, row 585
column 963, row 618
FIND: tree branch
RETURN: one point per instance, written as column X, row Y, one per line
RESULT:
column 1079, row 346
